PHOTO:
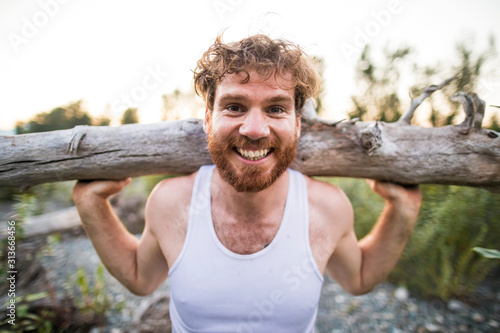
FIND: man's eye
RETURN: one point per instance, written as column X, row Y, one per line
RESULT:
column 233, row 108
column 277, row 110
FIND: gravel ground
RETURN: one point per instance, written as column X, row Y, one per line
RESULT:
column 386, row 309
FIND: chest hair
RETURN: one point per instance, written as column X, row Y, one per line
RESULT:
column 245, row 236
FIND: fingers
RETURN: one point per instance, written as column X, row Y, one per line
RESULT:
column 98, row 188
column 394, row 191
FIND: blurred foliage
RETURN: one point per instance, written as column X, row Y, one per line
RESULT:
column 180, row 105
column 320, row 67
column 438, row 260
column 487, row 253
column 130, row 116
column 91, row 294
column 379, row 95
column 62, row 117
column 379, row 84
column 27, row 321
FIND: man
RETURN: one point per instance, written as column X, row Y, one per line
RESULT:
column 246, row 242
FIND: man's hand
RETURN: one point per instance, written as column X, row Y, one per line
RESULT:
column 409, row 197
column 98, row 188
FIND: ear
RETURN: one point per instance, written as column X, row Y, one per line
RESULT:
column 206, row 120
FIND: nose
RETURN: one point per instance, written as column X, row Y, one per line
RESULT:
column 255, row 125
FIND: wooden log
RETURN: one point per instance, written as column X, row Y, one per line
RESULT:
column 460, row 155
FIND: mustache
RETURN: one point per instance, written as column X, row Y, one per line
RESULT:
column 241, row 141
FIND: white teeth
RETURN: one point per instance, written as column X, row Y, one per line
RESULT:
column 253, row 155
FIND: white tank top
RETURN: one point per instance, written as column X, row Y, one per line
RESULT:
column 277, row 289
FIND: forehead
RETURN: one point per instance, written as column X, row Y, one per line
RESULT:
column 256, row 84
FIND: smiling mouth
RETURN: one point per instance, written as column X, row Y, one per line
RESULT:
column 253, row 155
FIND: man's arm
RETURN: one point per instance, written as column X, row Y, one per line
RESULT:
column 138, row 265
column 360, row 266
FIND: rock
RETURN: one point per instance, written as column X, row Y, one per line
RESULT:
column 493, row 323
column 439, row 319
column 432, row 328
column 402, row 294
column 389, row 316
column 413, row 308
column 339, row 299
column 397, row 330
column 478, row 318
column 456, row 306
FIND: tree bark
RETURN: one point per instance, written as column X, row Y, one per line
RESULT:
column 464, row 154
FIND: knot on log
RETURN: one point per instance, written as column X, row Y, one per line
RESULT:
column 492, row 134
column 371, row 137
column 78, row 134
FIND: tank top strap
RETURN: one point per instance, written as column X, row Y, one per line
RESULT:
column 297, row 214
column 200, row 198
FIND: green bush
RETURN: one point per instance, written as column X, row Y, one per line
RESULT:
column 439, row 260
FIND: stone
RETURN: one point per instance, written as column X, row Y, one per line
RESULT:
column 456, row 306
column 397, row 330
column 439, row 319
column 339, row 299
column 388, row 316
column 413, row 308
column 430, row 327
column 402, row 294
column 477, row 317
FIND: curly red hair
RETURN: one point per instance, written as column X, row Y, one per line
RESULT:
column 262, row 54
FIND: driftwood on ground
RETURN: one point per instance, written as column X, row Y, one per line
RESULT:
column 42, row 225
column 464, row 154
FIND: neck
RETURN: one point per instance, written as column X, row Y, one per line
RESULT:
column 257, row 205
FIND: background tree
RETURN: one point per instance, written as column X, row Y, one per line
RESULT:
column 320, row 67
column 470, row 67
column 177, row 103
column 130, row 116
column 378, row 97
column 62, row 117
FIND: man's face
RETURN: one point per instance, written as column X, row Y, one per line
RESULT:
column 253, row 130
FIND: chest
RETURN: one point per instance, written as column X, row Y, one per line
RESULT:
column 245, row 236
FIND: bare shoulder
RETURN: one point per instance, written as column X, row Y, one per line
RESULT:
column 176, row 188
column 328, row 203
column 169, row 198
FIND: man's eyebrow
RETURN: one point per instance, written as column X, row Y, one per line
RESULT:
column 280, row 98
column 239, row 97
column 232, row 97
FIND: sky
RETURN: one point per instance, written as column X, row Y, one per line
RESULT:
column 117, row 54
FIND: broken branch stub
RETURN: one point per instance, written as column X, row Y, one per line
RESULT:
column 406, row 118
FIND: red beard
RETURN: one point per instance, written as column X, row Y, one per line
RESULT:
column 249, row 178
